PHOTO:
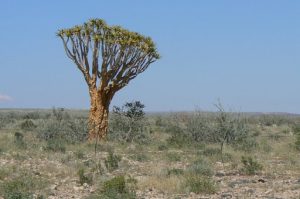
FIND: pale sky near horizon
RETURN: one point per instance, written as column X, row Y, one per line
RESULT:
column 245, row 53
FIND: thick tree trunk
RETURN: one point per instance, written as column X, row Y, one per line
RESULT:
column 98, row 116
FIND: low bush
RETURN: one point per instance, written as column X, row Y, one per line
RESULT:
column 179, row 138
column 141, row 157
column 61, row 126
column 27, row 125
column 200, row 184
column 19, row 140
column 297, row 142
column 173, row 157
column 117, row 188
column 200, row 167
column 112, row 162
column 250, row 166
column 56, row 145
column 83, row 178
column 175, row 171
column 22, row 186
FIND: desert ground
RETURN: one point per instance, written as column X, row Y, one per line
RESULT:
column 46, row 154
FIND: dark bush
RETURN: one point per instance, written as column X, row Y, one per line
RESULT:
column 27, row 125
column 83, row 178
column 19, row 140
column 56, row 145
column 117, row 188
column 250, row 166
column 200, row 184
column 112, row 162
column 128, row 124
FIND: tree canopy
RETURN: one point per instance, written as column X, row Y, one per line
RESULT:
column 124, row 53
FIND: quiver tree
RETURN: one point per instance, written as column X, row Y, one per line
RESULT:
column 109, row 57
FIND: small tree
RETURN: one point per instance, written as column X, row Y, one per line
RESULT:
column 123, row 54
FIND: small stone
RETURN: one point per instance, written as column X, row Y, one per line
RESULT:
column 226, row 195
column 53, row 187
column 220, row 174
column 85, row 185
column 78, row 188
column 261, row 180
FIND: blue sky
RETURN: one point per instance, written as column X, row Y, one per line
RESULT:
column 247, row 53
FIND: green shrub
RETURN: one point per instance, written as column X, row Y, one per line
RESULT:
column 296, row 128
column 79, row 154
column 179, row 138
column 200, row 167
column 117, row 184
column 199, row 184
column 162, row 147
column 245, row 143
column 128, row 124
column 175, row 171
column 21, row 186
column 211, row 151
column 173, row 157
column 27, row 125
column 84, row 178
column 141, row 157
column 62, row 126
column 56, row 146
column 118, row 188
column 112, row 162
column 297, row 142
column 19, row 140
column 250, row 166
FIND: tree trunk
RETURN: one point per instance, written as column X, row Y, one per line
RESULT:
column 98, row 116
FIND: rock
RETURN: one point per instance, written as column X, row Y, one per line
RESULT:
column 220, row 174
column 238, row 182
column 92, row 190
column 226, row 195
column 78, row 188
column 261, row 180
column 85, row 185
column 54, row 187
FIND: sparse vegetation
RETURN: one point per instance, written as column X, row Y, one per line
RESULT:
column 250, row 166
column 182, row 155
column 112, row 162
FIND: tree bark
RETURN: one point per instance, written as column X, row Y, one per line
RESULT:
column 98, row 116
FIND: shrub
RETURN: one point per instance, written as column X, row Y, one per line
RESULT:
column 112, row 162
column 173, row 157
column 175, row 171
column 27, row 125
column 79, row 154
column 118, row 188
column 211, row 151
column 22, row 186
column 297, row 142
column 162, row 147
column 117, row 184
column 250, row 166
column 199, row 184
column 179, row 138
column 71, row 130
column 200, row 167
column 84, row 178
column 296, row 128
column 141, row 157
column 19, row 140
column 128, row 123
column 56, row 145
